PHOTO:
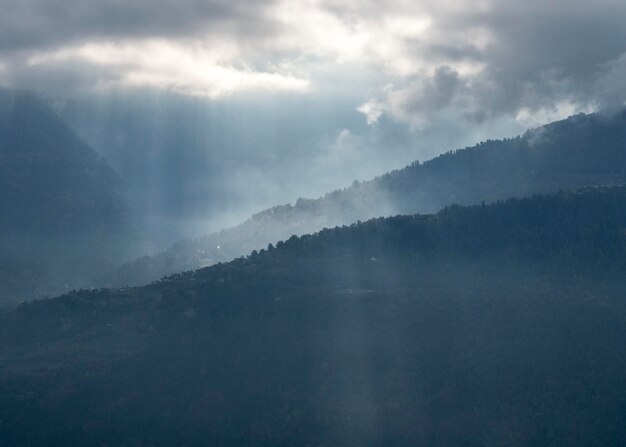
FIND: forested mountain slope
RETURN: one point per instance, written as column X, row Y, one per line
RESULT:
column 488, row 325
column 583, row 150
column 63, row 212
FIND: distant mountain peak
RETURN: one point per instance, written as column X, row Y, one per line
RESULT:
column 64, row 209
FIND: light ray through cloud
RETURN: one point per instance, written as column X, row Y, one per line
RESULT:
column 304, row 96
column 505, row 57
column 185, row 69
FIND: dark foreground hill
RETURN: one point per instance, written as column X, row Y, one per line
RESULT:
column 583, row 150
column 488, row 325
column 63, row 213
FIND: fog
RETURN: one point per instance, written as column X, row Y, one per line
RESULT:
column 214, row 110
column 312, row 223
column 195, row 165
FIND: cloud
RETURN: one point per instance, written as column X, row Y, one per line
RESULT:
column 609, row 86
column 431, row 93
column 474, row 60
column 373, row 110
column 36, row 24
column 516, row 59
column 199, row 47
column 180, row 68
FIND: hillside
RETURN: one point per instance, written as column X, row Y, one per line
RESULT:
column 64, row 213
column 487, row 325
column 583, row 150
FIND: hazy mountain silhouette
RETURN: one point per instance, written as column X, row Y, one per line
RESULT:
column 499, row 324
column 583, row 150
column 64, row 215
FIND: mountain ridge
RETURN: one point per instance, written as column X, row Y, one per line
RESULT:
column 500, row 322
column 65, row 214
column 580, row 151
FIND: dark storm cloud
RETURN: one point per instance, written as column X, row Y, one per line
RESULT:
column 474, row 60
column 533, row 56
column 39, row 24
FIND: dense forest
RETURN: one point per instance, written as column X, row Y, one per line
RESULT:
column 494, row 324
column 583, row 150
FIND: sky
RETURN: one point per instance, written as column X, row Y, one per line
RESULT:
column 306, row 96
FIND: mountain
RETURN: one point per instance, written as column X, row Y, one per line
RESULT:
column 64, row 212
column 486, row 325
column 192, row 163
column 583, row 150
